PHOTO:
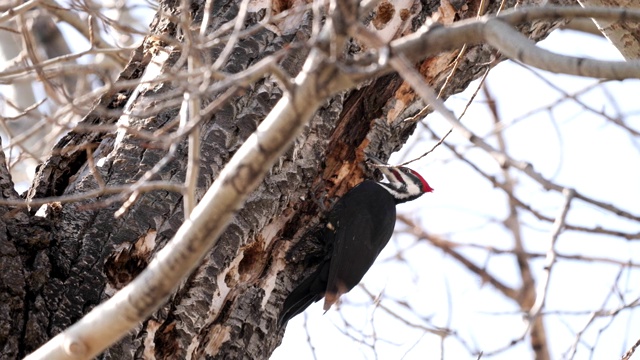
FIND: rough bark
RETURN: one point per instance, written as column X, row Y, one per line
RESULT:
column 56, row 268
column 625, row 36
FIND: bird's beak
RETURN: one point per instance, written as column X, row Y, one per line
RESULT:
column 384, row 168
column 375, row 160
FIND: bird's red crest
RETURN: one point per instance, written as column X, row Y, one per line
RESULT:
column 425, row 185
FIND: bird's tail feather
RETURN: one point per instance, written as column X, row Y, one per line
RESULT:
column 309, row 291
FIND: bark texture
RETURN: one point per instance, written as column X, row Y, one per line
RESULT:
column 625, row 36
column 55, row 268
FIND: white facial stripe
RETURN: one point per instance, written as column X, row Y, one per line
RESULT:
column 403, row 183
column 398, row 175
column 394, row 193
column 413, row 188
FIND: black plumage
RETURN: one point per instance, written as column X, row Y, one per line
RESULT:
column 358, row 227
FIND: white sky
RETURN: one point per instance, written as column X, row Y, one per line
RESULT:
column 576, row 149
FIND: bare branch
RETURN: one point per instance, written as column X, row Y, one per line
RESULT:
column 493, row 29
column 109, row 321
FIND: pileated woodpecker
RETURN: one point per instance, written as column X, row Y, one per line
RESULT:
column 358, row 227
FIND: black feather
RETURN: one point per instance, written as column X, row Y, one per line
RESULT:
column 359, row 226
column 309, row 291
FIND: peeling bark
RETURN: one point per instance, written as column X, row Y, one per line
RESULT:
column 55, row 269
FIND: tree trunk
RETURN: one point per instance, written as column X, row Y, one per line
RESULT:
column 57, row 267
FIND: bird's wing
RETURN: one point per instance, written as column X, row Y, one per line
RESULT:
column 309, row 291
column 363, row 225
